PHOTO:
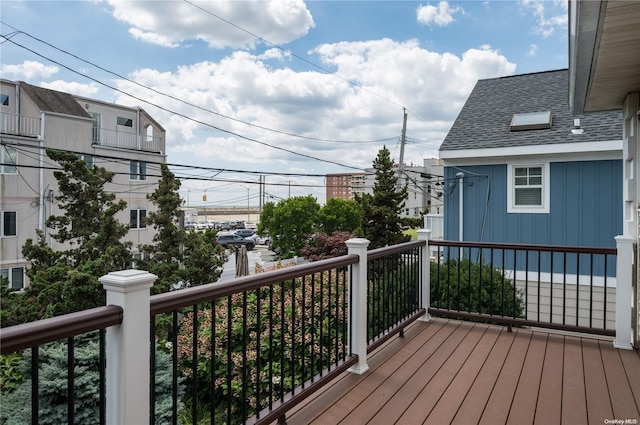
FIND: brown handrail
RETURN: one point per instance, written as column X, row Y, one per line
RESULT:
column 394, row 249
column 171, row 301
column 32, row 334
column 525, row 247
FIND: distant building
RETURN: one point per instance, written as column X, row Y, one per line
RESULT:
column 424, row 186
column 345, row 185
column 122, row 139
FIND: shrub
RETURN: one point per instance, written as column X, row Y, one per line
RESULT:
column 297, row 353
column 52, row 384
column 475, row 288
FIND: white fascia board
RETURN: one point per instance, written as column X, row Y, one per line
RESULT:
column 580, row 151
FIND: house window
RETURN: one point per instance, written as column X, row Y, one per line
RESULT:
column 138, row 219
column 137, row 170
column 528, row 188
column 8, row 223
column 126, row 122
column 15, row 276
column 8, row 160
column 88, row 159
column 4, row 100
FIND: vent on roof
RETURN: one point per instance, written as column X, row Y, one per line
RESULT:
column 531, row 121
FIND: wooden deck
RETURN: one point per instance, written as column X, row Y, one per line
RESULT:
column 452, row 372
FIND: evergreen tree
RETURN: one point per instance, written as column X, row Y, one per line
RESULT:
column 176, row 255
column 67, row 280
column 381, row 210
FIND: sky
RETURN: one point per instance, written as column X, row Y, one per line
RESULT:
column 290, row 90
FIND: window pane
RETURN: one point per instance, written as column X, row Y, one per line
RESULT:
column 4, row 100
column 521, row 181
column 535, row 171
column 9, row 223
column 529, row 196
column 143, row 216
column 133, row 219
column 8, row 156
column 535, row 181
column 17, row 278
column 127, row 122
column 143, row 170
column 521, row 171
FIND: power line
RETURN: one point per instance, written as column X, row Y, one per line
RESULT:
column 183, row 115
column 181, row 100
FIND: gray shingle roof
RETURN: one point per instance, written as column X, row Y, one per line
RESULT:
column 484, row 120
column 54, row 101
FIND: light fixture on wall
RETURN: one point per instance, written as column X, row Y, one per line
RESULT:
column 576, row 127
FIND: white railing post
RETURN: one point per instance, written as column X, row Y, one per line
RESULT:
column 425, row 274
column 358, row 306
column 624, row 292
column 128, row 347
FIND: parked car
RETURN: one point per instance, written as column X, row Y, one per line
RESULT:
column 246, row 233
column 227, row 225
column 201, row 225
column 264, row 240
column 228, row 240
column 251, row 225
column 190, row 225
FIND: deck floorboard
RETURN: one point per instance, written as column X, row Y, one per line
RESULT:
column 452, row 372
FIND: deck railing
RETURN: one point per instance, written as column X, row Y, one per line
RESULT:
column 127, row 140
column 248, row 350
column 245, row 351
column 67, row 328
column 560, row 287
column 19, row 125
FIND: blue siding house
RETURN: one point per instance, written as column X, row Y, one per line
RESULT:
column 523, row 169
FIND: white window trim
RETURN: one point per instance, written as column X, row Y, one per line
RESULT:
column 4, row 158
column 546, row 180
column 139, row 219
column 9, row 276
column 2, row 213
column 139, row 176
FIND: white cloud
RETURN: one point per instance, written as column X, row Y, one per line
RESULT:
column 533, row 49
column 257, row 89
column 220, row 23
column 86, row 90
column 550, row 15
column 29, row 70
column 440, row 15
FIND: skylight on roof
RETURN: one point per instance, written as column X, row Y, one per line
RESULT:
column 531, row 121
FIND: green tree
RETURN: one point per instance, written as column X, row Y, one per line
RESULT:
column 52, row 385
column 381, row 210
column 340, row 215
column 176, row 255
column 290, row 223
column 66, row 280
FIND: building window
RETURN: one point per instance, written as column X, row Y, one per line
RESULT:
column 15, row 276
column 528, row 188
column 137, row 170
column 88, row 159
column 138, row 219
column 4, row 100
column 8, row 223
column 126, row 122
column 8, row 160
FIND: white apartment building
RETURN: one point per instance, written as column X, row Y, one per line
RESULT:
column 121, row 139
column 424, row 187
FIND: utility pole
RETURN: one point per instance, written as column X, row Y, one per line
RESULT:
column 402, row 142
